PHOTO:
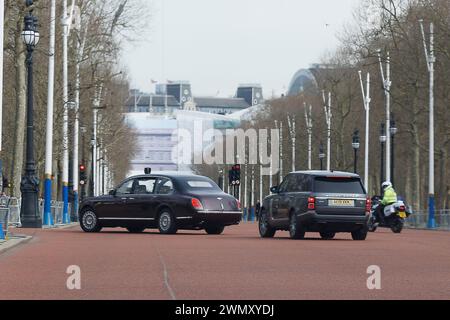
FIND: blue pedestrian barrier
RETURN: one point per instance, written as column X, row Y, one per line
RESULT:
column 244, row 217
column 2, row 233
column 252, row 214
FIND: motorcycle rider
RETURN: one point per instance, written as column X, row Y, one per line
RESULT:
column 389, row 197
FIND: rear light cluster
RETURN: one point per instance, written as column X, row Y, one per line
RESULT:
column 402, row 208
column 368, row 205
column 311, row 203
column 238, row 204
column 196, row 204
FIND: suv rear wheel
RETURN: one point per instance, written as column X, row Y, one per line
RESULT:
column 265, row 230
column 360, row 235
column 296, row 230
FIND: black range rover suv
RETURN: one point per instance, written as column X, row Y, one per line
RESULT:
column 316, row 201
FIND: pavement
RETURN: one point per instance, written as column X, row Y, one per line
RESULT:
column 115, row 264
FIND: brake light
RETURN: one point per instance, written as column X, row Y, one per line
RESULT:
column 368, row 205
column 402, row 208
column 196, row 204
column 238, row 204
column 311, row 203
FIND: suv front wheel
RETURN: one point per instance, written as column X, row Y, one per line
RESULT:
column 265, row 230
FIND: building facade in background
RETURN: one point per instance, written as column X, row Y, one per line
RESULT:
column 156, row 117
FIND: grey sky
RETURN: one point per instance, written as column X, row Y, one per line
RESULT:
column 217, row 44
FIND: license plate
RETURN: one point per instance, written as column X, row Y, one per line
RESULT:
column 341, row 203
column 402, row 215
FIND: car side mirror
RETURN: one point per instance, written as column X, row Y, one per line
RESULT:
column 112, row 192
column 275, row 189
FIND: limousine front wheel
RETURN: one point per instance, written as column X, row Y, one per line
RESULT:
column 166, row 222
column 89, row 221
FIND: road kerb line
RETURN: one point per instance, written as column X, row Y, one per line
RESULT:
column 166, row 277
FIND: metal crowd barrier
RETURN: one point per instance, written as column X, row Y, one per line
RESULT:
column 419, row 220
column 4, row 214
column 14, row 212
column 13, row 207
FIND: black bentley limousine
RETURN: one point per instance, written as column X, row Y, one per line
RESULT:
column 167, row 202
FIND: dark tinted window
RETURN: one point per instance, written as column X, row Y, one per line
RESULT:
column 285, row 184
column 297, row 183
column 338, row 185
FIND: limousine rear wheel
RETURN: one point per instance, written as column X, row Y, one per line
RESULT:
column 89, row 221
column 214, row 229
column 166, row 222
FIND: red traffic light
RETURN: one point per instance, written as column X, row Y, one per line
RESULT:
column 82, row 168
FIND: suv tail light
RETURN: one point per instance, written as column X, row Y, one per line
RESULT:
column 311, row 203
column 196, row 204
column 368, row 205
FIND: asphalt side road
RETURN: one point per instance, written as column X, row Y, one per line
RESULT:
column 115, row 264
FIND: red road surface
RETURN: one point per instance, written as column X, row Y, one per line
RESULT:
column 236, row 265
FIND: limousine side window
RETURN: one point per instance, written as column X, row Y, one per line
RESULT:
column 126, row 187
column 144, row 186
column 164, row 186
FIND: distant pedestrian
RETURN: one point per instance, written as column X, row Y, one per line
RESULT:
column 257, row 209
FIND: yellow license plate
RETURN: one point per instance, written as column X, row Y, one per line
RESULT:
column 341, row 203
column 402, row 215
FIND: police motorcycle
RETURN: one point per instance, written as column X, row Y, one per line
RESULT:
column 393, row 215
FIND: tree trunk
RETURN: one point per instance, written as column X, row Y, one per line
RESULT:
column 442, row 191
column 416, row 170
column 19, row 134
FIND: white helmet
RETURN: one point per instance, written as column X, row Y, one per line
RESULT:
column 386, row 184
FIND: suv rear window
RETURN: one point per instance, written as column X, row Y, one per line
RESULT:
column 338, row 185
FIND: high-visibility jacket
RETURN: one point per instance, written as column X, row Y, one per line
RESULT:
column 390, row 196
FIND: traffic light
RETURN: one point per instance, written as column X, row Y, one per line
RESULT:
column 237, row 168
column 235, row 175
column 230, row 177
column 83, row 177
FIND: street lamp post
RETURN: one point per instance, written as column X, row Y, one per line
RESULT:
column 387, row 83
column 29, row 185
column 48, row 219
column 431, row 60
column 393, row 130
column 309, row 127
column 328, row 116
column 383, row 139
column 321, row 155
column 366, row 99
column 355, row 145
